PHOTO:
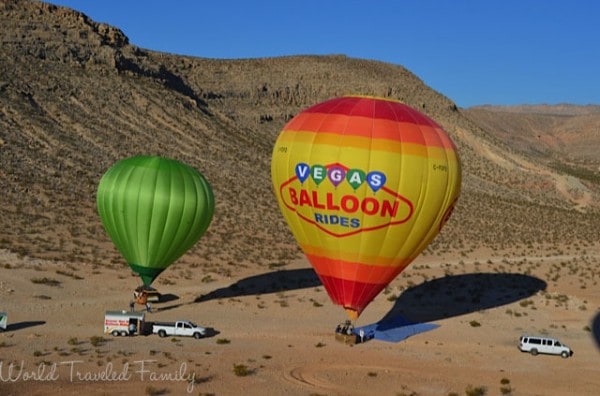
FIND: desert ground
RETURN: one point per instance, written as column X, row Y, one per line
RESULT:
column 272, row 332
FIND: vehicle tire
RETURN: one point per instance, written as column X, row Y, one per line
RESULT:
column 162, row 333
column 197, row 336
column 564, row 354
column 534, row 351
column 115, row 333
column 124, row 333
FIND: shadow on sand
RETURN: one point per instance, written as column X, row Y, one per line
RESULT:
column 596, row 329
column 165, row 298
column 24, row 325
column 449, row 297
column 271, row 282
column 415, row 308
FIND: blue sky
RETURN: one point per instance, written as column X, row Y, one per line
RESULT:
column 502, row 52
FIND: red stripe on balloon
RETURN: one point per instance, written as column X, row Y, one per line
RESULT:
column 351, row 294
column 372, row 108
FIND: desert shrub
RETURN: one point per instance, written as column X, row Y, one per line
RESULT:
column 241, row 370
column 46, row 281
column 475, row 323
column 525, row 303
column 505, row 389
column 207, row 279
column 475, row 390
column 69, row 274
column 152, row 391
column 97, row 341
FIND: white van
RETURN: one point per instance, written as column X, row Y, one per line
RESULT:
column 551, row 346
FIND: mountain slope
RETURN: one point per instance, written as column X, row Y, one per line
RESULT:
column 75, row 97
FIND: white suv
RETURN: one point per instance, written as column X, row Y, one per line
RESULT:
column 551, row 346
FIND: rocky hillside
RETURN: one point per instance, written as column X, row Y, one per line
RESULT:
column 559, row 133
column 75, row 97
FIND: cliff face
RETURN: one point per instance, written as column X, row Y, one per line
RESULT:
column 75, row 97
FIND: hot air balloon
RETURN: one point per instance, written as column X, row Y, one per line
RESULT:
column 154, row 209
column 364, row 184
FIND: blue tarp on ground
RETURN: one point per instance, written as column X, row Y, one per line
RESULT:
column 394, row 329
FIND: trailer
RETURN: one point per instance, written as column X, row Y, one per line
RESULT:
column 124, row 323
column 3, row 321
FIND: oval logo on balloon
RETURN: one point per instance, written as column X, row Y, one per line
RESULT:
column 364, row 184
column 338, row 208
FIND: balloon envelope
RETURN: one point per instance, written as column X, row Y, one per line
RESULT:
column 364, row 184
column 154, row 209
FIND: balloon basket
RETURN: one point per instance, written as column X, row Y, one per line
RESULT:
column 345, row 333
column 348, row 339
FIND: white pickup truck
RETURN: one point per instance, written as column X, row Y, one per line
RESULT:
column 183, row 328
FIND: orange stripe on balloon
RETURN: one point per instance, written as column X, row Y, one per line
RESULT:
column 352, row 271
column 345, row 125
column 404, row 148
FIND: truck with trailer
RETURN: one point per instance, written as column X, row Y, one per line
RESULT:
column 183, row 328
column 128, row 323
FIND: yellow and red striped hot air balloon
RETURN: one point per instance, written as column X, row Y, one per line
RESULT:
column 364, row 184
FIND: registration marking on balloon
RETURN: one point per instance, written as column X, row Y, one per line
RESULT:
column 343, row 201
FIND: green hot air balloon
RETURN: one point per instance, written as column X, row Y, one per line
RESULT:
column 154, row 209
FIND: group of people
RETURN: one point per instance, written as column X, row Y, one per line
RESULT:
column 345, row 328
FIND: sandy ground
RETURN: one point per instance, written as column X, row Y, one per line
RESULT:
column 276, row 326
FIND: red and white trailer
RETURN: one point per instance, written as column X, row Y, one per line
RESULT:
column 123, row 323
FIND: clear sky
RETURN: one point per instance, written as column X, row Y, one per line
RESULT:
column 500, row 52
